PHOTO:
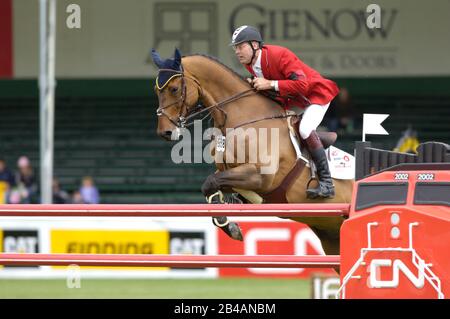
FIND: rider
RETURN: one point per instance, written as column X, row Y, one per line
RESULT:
column 278, row 69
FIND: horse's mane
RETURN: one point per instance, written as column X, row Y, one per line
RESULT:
column 231, row 71
column 214, row 59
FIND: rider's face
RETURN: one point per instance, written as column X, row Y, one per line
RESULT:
column 243, row 52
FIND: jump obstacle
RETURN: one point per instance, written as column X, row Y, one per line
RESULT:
column 177, row 210
column 394, row 243
column 180, row 261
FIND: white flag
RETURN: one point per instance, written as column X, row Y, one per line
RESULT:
column 372, row 124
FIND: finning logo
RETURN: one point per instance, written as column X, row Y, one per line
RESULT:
column 397, row 266
column 192, row 26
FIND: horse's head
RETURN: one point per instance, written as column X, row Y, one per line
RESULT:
column 176, row 96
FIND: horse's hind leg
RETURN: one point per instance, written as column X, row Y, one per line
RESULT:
column 244, row 176
column 330, row 240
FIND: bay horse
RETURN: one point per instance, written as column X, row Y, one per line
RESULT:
column 183, row 82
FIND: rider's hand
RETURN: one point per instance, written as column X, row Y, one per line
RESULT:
column 250, row 81
column 261, row 84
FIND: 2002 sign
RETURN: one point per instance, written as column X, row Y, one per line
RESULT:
column 401, row 176
column 425, row 177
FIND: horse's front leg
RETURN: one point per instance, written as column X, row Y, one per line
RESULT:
column 245, row 177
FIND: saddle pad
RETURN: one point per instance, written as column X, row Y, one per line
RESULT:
column 342, row 164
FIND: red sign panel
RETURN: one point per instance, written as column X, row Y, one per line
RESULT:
column 271, row 238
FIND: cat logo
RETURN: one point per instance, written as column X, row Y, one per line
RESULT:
column 187, row 243
column 19, row 241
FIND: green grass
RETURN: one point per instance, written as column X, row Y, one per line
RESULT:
column 158, row 289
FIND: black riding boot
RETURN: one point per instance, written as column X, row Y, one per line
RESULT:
column 325, row 188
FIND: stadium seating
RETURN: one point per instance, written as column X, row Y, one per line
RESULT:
column 113, row 139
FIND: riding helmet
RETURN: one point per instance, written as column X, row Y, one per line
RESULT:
column 246, row 33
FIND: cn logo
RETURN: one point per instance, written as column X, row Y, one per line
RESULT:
column 302, row 238
column 397, row 266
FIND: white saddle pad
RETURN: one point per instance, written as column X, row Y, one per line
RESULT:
column 341, row 164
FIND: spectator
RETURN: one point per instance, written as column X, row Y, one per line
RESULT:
column 59, row 196
column 77, row 198
column 25, row 181
column 7, row 182
column 408, row 142
column 341, row 113
column 89, row 191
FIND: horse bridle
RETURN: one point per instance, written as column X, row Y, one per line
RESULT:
column 183, row 119
column 181, row 122
column 191, row 113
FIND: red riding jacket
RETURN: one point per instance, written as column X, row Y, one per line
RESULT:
column 303, row 84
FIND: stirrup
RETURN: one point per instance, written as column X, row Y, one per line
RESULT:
column 310, row 180
column 209, row 199
column 314, row 193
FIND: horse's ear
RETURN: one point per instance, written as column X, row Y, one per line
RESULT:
column 157, row 59
column 177, row 59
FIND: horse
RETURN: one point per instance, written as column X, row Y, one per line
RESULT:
column 186, row 82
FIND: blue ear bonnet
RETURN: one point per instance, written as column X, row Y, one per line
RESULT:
column 166, row 75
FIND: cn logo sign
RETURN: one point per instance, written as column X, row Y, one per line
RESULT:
column 397, row 266
column 301, row 239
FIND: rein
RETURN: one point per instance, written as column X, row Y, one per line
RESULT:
column 183, row 120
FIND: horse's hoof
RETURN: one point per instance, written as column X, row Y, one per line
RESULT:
column 233, row 231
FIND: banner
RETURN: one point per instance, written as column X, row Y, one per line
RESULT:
column 92, row 235
column 335, row 37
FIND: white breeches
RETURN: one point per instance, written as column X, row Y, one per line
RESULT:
column 312, row 117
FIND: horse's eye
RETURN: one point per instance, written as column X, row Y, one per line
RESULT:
column 173, row 90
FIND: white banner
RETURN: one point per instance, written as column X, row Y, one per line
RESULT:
column 108, row 236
